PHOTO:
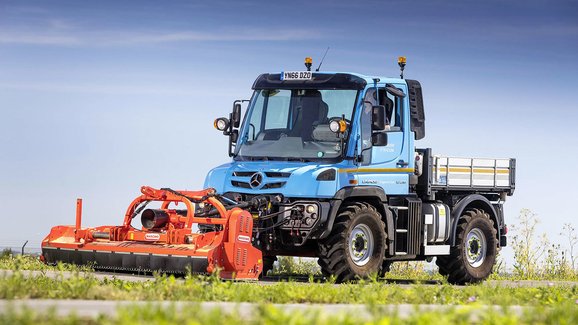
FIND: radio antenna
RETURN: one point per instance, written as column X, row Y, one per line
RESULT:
column 320, row 63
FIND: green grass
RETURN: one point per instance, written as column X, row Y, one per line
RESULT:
column 267, row 314
column 33, row 263
column 85, row 286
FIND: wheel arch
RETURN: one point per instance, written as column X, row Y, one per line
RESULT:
column 373, row 195
column 473, row 201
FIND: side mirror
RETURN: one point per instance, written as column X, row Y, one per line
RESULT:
column 234, row 136
column 378, row 118
column 379, row 139
column 236, row 116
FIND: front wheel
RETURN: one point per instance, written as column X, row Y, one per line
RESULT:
column 356, row 246
column 268, row 262
column 472, row 258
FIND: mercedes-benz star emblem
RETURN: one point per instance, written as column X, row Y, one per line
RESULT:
column 256, row 180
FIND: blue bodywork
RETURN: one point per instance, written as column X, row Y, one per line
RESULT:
column 389, row 167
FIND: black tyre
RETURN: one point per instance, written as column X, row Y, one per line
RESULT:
column 356, row 246
column 268, row 262
column 385, row 267
column 472, row 258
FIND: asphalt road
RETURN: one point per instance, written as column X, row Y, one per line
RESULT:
column 94, row 308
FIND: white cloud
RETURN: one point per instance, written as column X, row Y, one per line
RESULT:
column 37, row 39
column 62, row 34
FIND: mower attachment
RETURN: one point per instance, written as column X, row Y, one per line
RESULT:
column 166, row 242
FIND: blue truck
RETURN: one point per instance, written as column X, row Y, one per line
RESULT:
column 331, row 164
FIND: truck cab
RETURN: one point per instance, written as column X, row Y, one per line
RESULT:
column 332, row 159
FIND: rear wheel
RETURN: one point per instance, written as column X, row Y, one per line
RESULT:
column 356, row 246
column 472, row 258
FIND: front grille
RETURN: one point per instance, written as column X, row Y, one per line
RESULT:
column 243, row 174
column 245, row 182
column 240, row 184
column 265, row 187
column 277, row 174
column 273, row 185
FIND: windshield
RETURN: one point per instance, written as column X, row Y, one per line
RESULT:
column 294, row 124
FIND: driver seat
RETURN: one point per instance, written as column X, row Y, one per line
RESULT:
column 313, row 111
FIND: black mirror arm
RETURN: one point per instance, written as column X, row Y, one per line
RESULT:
column 394, row 91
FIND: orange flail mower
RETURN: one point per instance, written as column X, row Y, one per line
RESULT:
column 166, row 242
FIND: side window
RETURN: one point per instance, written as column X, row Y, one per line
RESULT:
column 368, row 102
column 392, row 112
column 256, row 117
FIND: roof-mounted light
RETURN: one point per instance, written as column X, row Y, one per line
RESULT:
column 401, row 62
column 308, row 63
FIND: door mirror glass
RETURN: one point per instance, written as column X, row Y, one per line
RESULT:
column 236, row 115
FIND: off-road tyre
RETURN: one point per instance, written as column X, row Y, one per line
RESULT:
column 268, row 262
column 356, row 246
column 473, row 257
column 385, row 268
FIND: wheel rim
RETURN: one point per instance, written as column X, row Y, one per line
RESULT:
column 361, row 244
column 476, row 247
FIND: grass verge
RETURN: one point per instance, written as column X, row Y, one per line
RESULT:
column 33, row 263
column 85, row 286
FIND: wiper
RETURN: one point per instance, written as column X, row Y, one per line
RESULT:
column 256, row 158
column 297, row 159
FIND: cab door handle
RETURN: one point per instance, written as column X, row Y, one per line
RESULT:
column 402, row 163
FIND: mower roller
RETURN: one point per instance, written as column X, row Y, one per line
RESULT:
column 166, row 242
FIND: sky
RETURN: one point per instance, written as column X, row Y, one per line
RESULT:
column 100, row 97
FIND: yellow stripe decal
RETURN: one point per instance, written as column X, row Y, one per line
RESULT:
column 376, row 170
column 476, row 170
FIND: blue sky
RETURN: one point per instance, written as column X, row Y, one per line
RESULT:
column 99, row 98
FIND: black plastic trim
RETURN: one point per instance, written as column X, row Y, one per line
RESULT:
column 357, row 191
column 416, row 109
column 319, row 81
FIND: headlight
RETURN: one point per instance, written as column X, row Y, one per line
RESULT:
column 221, row 124
column 310, row 209
column 338, row 126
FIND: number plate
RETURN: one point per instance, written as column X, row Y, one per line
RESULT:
column 296, row 75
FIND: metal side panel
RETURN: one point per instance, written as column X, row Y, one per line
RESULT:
column 474, row 173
